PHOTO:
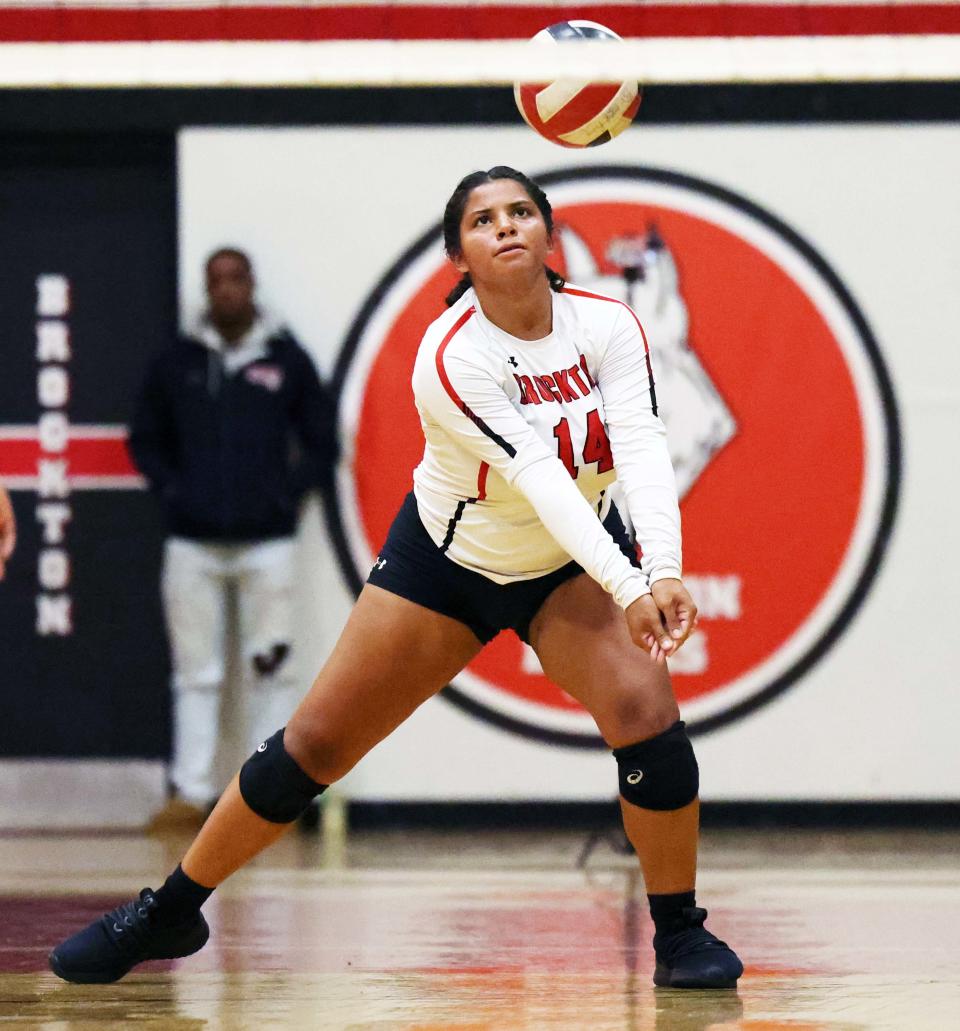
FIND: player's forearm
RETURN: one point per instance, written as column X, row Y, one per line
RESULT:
column 571, row 521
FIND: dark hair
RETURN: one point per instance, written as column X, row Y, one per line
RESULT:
column 230, row 252
column 453, row 214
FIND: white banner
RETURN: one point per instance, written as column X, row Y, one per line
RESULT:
column 799, row 288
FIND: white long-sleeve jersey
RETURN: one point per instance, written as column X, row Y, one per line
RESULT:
column 524, row 438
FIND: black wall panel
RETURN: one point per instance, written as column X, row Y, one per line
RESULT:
column 98, row 211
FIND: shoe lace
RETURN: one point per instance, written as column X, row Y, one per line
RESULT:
column 690, row 937
column 129, row 925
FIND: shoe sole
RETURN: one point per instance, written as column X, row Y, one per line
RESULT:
column 682, row 983
column 85, row 976
column 664, row 977
column 116, row 973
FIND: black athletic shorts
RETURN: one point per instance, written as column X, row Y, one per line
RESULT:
column 411, row 565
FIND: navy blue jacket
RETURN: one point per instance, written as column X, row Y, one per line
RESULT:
column 231, row 455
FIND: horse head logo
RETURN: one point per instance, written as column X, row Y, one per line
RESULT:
column 699, row 422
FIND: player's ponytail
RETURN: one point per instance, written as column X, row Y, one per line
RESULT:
column 557, row 282
column 458, row 291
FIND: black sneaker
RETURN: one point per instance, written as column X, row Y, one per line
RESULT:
column 111, row 946
column 689, row 956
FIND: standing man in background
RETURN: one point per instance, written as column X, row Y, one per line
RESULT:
column 231, row 430
column 8, row 529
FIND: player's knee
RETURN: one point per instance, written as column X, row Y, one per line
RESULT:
column 660, row 773
column 274, row 785
column 325, row 754
column 632, row 716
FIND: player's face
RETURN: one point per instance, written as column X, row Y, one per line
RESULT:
column 501, row 233
column 229, row 289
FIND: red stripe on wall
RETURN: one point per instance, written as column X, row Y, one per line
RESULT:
column 104, row 457
column 85, row 456
column 18, row 457
column 415, row 21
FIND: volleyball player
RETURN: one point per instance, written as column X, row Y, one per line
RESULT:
column 533, row 396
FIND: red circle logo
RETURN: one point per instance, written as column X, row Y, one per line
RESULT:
column 780, row 418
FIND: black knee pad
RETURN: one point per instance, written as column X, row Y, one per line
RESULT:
column 661, row 773
column 273, row 785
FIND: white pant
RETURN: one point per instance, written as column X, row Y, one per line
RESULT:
column 195, row 585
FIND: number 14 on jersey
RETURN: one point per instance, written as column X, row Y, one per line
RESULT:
column 596, row 447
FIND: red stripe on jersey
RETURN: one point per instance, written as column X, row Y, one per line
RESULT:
column 643, row 336
column 441, row 372
column 455, row 397
column 482, row 481
column 603, row 297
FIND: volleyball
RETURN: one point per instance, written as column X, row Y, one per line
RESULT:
column 571, row 112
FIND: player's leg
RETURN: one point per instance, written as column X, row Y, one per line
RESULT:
column 193, row 588
column 582, row 642
column 581, row 639
column 392, row 655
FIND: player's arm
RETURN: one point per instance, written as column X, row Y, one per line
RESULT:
column 8, row 529
column 639, row 444
column 465, row 398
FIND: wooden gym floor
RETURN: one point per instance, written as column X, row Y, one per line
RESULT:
column 423, row 931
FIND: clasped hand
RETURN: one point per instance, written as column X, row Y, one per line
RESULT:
column 662, row 620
